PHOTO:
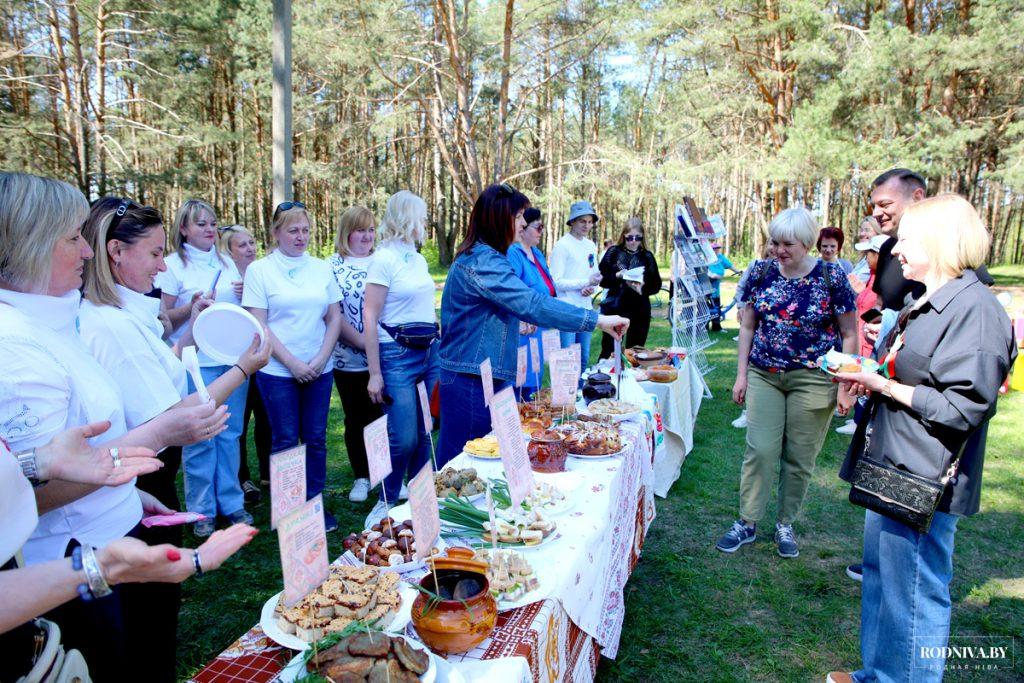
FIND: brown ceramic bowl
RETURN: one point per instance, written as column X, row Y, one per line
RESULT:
column 447, row 626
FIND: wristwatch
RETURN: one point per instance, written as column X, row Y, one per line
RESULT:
column 29, row 467
column 887, row 388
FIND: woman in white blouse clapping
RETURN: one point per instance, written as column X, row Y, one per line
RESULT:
column 51, row 383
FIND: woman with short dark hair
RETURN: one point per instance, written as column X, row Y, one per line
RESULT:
column 481, row 307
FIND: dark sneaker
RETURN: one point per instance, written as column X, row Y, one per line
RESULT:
column 240, row 517
column 786, row 540
column 251, row 492
column 330, row 523
column 203, row 528
column 739, row 534
column 855, row 572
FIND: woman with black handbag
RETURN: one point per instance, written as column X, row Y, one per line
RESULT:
column 917, row 463
column 630, row 298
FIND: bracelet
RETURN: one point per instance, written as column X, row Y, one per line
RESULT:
column 197, row 563
column 29, row 466
column 98, row 586
column 76, row 565
column 244, row 373
column 887, row 388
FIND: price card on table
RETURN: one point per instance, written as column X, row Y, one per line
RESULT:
column 551, row 342
column 565, row 371
column 428, row 419
column 426, row 520
column 535, row 355
column 302, row 540
column 287, row 482
column 521, row 365
column 617, row 364
column 509, row 431
column 378, row 449
column 487, row 379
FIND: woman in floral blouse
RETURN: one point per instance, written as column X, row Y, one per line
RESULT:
column 354, row 243
column 801, row 308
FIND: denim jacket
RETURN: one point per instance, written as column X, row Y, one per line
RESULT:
column 482, row 304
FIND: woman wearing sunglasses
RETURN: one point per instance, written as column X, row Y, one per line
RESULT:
column 629, row 298
column 296, row 296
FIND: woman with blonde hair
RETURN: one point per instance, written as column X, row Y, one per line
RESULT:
column 353, row 249
column 119, row 324
column 296, row 296
column 238, row 243
column 198, row 269
column 800, row 307
column 400, row 330
column 947, row 357
column 629, row 298
column 52, row 383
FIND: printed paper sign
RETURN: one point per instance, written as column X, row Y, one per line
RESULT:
column 535, row 356
column 426, row 521
column 551, row 342
column 487, row 379
column 617, row 365
column 577, row 352
column 428, row 419
column 508, row 429
column 564, row 378
column 287, row 482
column 378, row 450
column 521, row 366
column 302, row 541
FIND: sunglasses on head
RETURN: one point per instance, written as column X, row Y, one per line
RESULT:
column 634, row 238
column 119, row 213
column 288, row 206
column 506, row 190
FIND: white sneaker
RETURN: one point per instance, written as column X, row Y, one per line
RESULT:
column 741, row 421
column 848, row 429
column 404, row 493
column 360, row 490
column 379, row 511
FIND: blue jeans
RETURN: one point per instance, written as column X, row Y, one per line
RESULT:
column 463, row 413
column 583, row 339
column 402, row 369
column 298, row 412
column 905, row 603
column 211, row 466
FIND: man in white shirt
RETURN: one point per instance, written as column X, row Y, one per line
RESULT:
column 573, row 265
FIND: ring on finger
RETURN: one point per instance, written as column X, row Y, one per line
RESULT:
column 115, row 457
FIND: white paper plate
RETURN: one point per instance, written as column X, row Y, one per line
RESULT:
column 295, row 669
column 614, row 418
column 486, row 458
column 269, row 623
column 224, row 331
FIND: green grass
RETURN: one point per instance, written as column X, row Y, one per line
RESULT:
column 1008, row 276
column 693, row 613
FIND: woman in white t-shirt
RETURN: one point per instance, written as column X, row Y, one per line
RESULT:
column 400, row 298
column 296, row 296
column 195, row 269
column 353, row 246
column 51, row 383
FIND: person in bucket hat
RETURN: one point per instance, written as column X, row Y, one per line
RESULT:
column 574, row 269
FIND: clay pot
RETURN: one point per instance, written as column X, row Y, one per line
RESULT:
column 447, row 626
column 547, row 452
column 598, row 385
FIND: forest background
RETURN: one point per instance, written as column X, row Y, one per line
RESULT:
column 749, row 106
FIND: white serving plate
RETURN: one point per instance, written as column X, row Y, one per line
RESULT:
column 296, row 669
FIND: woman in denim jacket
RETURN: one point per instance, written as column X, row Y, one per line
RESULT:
column 481, row 307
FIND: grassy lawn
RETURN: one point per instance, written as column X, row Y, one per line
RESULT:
column 693, row 613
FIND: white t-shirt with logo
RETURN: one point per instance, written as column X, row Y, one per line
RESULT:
column 182, row 280
column 50, row 384
column 410, row 299
column 295, row 291
column 126, row 341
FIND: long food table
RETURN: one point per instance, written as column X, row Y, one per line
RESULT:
column 582, row 571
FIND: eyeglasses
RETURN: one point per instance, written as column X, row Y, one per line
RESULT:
column 288, row 206
column 634, row 238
